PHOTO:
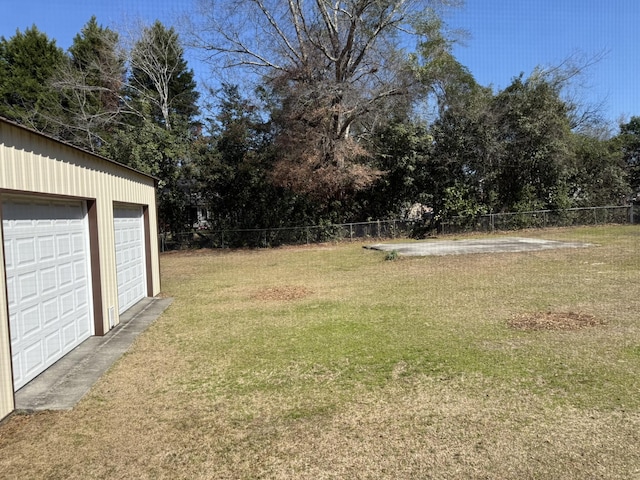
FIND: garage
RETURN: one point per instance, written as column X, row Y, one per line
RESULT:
column 130, row 255
column 78, row 248
column 48, row 282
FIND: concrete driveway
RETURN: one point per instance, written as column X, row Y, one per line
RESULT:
column 485, row 245
column 62, row 385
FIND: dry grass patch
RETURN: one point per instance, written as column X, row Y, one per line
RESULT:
column 309, row 363
column 554, row 321
column 434, row 430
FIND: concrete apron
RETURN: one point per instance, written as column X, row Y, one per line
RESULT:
column 62, row 385
column 461, row 247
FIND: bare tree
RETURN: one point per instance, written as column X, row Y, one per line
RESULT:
column 336, row 67
column 157, row 66
column 570, row 79
column 92, row 98
column 88, row 84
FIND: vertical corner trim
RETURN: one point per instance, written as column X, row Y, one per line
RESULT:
column 96, row 283
column 147, row 250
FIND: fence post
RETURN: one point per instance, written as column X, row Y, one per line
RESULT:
column 351, row 232
column 630, row 214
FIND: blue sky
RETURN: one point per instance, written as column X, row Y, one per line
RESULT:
column 506, row 37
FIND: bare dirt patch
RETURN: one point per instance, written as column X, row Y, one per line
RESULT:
column 554, row 321
column 282, row 293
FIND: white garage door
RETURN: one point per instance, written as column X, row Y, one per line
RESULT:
column 130, row 256
column 48, row 282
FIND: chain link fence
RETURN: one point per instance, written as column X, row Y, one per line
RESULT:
column 273, row 237
column 542, row 219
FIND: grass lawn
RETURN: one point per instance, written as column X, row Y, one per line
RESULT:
column 328, row 362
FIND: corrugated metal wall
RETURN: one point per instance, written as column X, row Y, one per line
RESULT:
column 33, row 164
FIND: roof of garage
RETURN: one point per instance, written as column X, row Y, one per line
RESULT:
column 75, row 147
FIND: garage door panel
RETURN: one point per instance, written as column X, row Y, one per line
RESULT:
column 79, row 272
column 11, row 293
column 50, row 312
column 63, row 245
column 30, row 322
column 53, row 346
column 16, row 362
column 48, row 282
column 8, row 254
column 22, row 214
column 67, row 304
column 81, row 299
column 65, row 275
column 78, row 244
column 83, row 330
column 26, row 251
column 33, row 358
column 69, row 334
column 39, row 223
column 27, row 287
column 46, row 248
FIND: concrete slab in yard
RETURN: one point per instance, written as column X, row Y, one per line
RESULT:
column 485, row 245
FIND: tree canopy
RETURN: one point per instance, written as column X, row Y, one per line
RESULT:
column 324, row 120
column 337, row 70
column 28, row 61
column 90, row 82
column 630, row 144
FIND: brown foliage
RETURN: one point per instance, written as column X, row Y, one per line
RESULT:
column 310, row 169
column 316, row 155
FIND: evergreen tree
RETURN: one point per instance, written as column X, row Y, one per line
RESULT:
column 629, row 140
column 598, row 176
column 534, row 130
column 234, row 165
column 404, row 154
column 27, row 63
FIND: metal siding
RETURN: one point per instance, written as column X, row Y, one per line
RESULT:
column 6, row 380
column 32, row 163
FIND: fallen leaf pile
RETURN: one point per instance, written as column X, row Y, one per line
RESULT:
column 285, row 293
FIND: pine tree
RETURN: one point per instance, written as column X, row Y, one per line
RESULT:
column 27, row 63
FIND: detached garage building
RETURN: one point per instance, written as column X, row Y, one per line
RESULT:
column 77, row 249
